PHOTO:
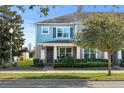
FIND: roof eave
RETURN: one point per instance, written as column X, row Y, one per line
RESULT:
column 58, row 23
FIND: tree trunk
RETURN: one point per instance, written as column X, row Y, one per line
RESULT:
column 109, row 63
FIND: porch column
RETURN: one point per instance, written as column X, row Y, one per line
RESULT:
column 78, row 52
column 119, row 55
column 55, row 52
column 105, row 55
column 96, row 53
column 42, row 54
column 83, row 53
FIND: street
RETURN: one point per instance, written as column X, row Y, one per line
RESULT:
column 59, row 83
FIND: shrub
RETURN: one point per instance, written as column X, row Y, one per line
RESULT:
column 91, row 60
column 38, row 62
column 81, row 65
column 91, row 64
column 69, row 60
column 122, row 64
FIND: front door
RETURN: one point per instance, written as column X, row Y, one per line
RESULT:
column 49, row 54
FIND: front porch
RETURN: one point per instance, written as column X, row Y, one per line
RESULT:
column 51, row 52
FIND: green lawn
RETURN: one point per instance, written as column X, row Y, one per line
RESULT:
column 94, row 68
column 87, row 76
column 25, row 65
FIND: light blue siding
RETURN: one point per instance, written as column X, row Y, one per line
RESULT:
column 44, row 38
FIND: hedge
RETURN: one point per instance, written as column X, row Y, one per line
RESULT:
column 81, row 65
column 38, row 62
column 91, row 60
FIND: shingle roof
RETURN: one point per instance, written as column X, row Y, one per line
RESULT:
column 59, row 41
column 70, row 18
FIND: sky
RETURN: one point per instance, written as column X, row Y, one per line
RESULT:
column 32, row 16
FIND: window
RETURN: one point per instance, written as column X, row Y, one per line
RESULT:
column 59, row 34
column 68, row 51
column 63, row 32
column 89, row 53
column 86, row 53
column 64, row 52
column 66, row 32
column 93, row 53
column 45, row 30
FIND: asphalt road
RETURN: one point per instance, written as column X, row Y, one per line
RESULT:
column 59, row 83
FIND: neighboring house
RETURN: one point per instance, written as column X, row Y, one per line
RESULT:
column 24, row 53
column 54, row 39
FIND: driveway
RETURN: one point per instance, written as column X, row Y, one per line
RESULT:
column 59, row 83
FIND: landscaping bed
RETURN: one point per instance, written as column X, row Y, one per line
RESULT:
column 93, row 68
column 88, row 64
column 81, row 65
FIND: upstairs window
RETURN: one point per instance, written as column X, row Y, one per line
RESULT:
column 45, row 30
column 63, row 32
column 59, row 32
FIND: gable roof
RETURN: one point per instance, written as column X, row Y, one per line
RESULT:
column 70, row 18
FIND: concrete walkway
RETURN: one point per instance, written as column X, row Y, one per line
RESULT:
column 65, row 71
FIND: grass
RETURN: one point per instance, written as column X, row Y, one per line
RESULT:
column 94, row 68
column 25, row 65
column 86, row 76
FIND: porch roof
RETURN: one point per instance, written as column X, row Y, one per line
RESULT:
column 60, row 41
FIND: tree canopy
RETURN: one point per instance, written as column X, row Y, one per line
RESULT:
column 10, row 19
column 104, row 31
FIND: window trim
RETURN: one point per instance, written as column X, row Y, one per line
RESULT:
column 65, row 50
column 89, row 53
column 42, row 30
column 62, row 27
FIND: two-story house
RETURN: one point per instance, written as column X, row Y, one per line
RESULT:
column 54, row 39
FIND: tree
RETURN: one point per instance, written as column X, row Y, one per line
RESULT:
column 44, row 9
column 104, row 31
column 10, row 19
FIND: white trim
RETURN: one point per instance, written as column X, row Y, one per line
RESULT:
column 35, row 39
column 78, row 56
column 119, row 54
column 83, row 53
column 89, row 53
column 56, row 44
column 62, row 27
column 47, row 28
column 105, row 55
column 55, row 53
column 43, row 54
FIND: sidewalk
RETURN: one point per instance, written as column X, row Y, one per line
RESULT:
column 65, row 71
